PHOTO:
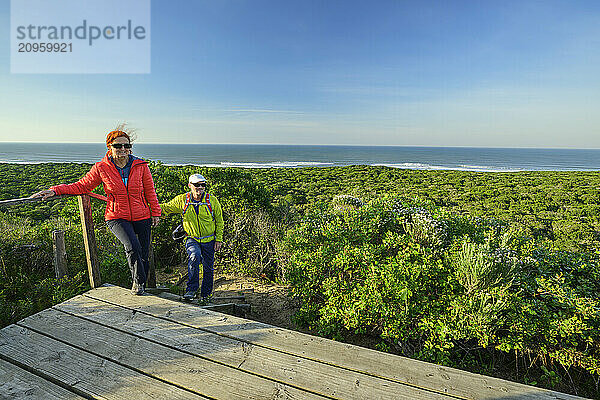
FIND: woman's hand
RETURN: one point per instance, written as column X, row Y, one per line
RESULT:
column 44, row 194
column 218, row 245
column 155, row 221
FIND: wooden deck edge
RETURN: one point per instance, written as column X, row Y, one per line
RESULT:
column 307, row 375
column 384, row 365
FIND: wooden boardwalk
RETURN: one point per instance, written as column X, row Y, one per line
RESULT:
column 109, row 344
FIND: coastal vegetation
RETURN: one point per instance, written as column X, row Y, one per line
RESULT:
column 496, row 273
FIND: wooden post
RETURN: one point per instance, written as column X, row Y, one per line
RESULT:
column 151, row 279
column 89, row 240
column 60, row 255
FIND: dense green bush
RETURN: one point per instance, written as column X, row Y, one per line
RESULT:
column 27, row 283
column 453, row 290
column 562, row 207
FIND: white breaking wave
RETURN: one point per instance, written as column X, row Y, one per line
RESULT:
column 486, row 168
column 411, row 165
column 25, row 162
column 405, row 165
column 275, row 164
column 429, row 167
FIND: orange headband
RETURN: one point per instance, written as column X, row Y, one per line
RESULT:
column 115, row 134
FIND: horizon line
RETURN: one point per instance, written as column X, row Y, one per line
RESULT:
column 331, row 145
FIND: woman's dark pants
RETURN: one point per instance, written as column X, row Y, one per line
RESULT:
column 135, row 237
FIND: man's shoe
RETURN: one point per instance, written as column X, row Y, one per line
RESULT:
column 189, row 296
column 137, row 289
column 204, row 301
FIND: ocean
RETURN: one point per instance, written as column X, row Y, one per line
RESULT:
column 291, row 156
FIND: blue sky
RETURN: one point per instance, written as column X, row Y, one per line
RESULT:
column 431, row 73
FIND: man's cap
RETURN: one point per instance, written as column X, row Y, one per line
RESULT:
column 195, row 178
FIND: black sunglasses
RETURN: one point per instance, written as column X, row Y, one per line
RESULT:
column 119, row 145
column 199, row 184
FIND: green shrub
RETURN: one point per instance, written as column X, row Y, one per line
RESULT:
column 447, row 289
column 27, row 283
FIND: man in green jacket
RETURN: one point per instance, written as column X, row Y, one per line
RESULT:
column 203, row 225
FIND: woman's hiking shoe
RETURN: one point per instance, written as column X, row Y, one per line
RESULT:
column 137, row 289
column 189, row 296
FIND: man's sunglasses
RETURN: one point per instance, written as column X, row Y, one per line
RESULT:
column 199, row 184
column 120, row 146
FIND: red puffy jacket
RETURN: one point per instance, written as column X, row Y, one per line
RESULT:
column 133, row 202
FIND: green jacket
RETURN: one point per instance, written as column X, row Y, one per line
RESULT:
column 201, row 224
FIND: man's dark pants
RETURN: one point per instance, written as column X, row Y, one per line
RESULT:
column 200, row 253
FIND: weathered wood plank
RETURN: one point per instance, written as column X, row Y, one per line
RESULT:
column 306, row 374
column 85, row 373
column 165, row 363
column 400, row 369
column 16, row 383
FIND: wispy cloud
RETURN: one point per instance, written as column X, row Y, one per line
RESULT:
column 258, row 110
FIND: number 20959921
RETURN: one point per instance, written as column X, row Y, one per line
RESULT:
column 45, row 47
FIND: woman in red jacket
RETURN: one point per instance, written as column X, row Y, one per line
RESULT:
column 132, row 206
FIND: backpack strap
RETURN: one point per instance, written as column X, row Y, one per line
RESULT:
column 198, row 239
column 188, row 200
column 209, row 206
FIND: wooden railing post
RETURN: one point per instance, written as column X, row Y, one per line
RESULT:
column 60, row 255
column 89, row 240
column 151, row 279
